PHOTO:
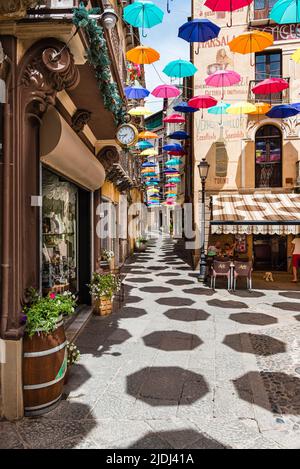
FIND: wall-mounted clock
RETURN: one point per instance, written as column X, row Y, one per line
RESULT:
column 127, row 135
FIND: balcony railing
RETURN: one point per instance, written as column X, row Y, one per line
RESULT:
column 274, row 98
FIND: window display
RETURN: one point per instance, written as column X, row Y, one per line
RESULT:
column 59, row 238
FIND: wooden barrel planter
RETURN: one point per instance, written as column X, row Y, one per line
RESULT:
column 44, row 368
column 103, row 306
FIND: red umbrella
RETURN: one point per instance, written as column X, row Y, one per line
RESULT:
column 174, row 119
column 203, row 101
column 227, row 5
column 166, row 91
column 270, row 85
column 176, row 153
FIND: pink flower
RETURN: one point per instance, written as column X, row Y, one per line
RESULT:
column 52, row 296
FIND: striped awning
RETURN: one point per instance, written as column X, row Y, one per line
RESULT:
column 256, row 213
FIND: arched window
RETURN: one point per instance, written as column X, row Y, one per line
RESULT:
column 268, row 157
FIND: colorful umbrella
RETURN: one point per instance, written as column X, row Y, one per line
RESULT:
column 250, row 42
column 296, row 56
column 261, row 108
column 175, row 179
column 170, row 184
column 170, row 170
column 174, row 119
column 198, row 30
column 148, row 165
column 185, row 108
column 202, row 102
column 139, row 111
column 136, row 92
column 179, row 135
column 270, row 85
column 142, row 55
column 143, row 15
column 219, row 109
column 146, row 134
column 173, row 162
column 222, row 79
column 296, row 106
column 170, row 202
column 180, row 69
column 176, row 152
column 282, row 111
column 242, row 107
column 286, row 12
column 144, row 145
column 166, row 91
column 149, row 152
column 227, row 5
column 151, row 183
column 173, row 147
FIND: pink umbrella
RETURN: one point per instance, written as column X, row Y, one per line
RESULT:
column 223, row 78
column 203, row 101
column 227, row 5
column 171, row 184
column 166, row 91
column 270, row 85
column 174, row 119
column 170, row 202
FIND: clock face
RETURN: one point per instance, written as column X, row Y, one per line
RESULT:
column 126, row 135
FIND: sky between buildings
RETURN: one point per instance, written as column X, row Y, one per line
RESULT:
column 164, row 38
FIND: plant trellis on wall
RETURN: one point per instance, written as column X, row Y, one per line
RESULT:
column 98, row 57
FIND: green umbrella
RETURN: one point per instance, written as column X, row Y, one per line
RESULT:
column 180, row 69
column 143, row 15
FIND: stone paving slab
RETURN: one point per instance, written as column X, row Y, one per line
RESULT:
column 179, row 366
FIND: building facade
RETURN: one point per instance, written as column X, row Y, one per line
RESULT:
column 62, row 103
column 254, row 160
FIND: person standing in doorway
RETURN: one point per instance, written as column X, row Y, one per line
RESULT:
column 296, row 257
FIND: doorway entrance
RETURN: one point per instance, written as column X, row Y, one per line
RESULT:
column 270, row 252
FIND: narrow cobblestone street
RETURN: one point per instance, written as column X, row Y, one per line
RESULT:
column 179, row 366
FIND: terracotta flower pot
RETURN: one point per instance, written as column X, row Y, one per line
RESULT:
column 103, row 306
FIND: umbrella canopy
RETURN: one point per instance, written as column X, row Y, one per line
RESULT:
column 202, row 101
column 143, row 15
column 174, row 119
column 148, row 164
column 174, row 162
column 175, row 179
column 251, row 41
column 227, row 5
column 154, row 191
column 170, row 202
column 286, row 11
column 139, row 111
column 179, row 135
column 223, row 78
column 154, row 179
column 185, row 108
column 219, row 109
column 151, row 183
column 296, row 106
column 270, row 85
column 149, row 152
column 144, row 145
column 142, row 55
column 170, row 184
column 282, row 111
column 296, row 56
column 136, row 92
column 198, row 30
column 147, row 134
column 180, row 69
column 173, row 147
column 242, row 107
column 166, row 91
column 170, row 170
column 261, row 108
column 176, row 152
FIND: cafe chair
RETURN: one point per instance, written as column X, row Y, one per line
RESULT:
column 242, row 269
column 220, row 269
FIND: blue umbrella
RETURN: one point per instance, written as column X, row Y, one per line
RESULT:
column 143, row 14
column 185, row 108
column 136, row 92
column 179, row 135
column 151, row 183
column 144, row 145
column 219, row 109
column 148, row 165
column 282, row 111
column 180, row 69
column 286, row 11
column 170, row 170
column 173, row 147
column 199, row 30
column 296, row 106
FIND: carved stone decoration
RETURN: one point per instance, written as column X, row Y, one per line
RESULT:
column 80, row 118
column 108, row 156
column 12, row 9
column 48, row 71
column 291, row 127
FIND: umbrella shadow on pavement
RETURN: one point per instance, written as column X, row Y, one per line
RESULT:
column 172, row 341
column 177, row 439
column 258, row 319
column 262, row 345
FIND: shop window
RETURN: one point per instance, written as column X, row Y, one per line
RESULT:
column 262, row 8
column 59, row 234
column 268, row 157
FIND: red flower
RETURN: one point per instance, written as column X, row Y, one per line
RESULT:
column 52, row 296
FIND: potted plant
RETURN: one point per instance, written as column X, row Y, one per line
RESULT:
column 141, row 244
column 73, row 356
column 103, row 288
column 106, row 259
column 44, row 350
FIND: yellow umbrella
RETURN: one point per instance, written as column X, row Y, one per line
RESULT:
column 251, row 41
column 155, row 191
column 242, row 107
column 142, row 55
column 147, row 135
column 140, row 111
column 261, row 108
column 149, row 152
column 296, row 56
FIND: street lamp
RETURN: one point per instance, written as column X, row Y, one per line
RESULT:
column 203, row 172
column 109, row 17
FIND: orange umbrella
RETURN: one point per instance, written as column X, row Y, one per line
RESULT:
column 146, row 135
column 261, row 108
column 142, row 55
column 251, row 41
